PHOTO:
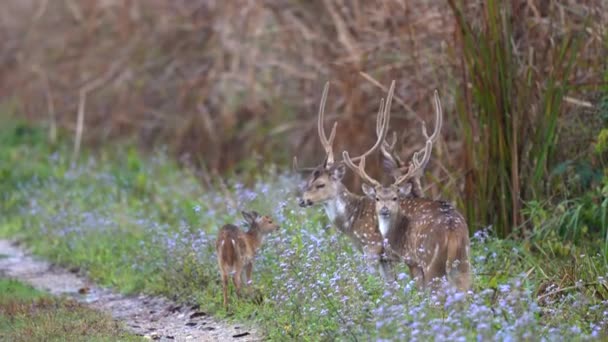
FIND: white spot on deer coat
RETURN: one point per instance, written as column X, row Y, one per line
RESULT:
column 435, row 253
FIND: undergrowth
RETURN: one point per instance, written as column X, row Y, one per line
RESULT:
column 27, row 314
column 141, row 224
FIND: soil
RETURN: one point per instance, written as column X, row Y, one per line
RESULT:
column 154, row 318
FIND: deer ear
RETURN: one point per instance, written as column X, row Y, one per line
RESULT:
column 368, row 190
column 249, row 218
column 405, row 190
column 316, row 173
column 337, row 172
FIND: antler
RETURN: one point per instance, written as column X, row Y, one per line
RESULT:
column 297, row 169
column 359, row 169
column 327, row 143
column 388, row 149
column 422, row 157
column 382, row 119
column 382, row 124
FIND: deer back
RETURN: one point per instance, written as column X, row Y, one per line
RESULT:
column 230, row 245
column 434, row 236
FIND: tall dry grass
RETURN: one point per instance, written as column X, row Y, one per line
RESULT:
column 223, row 82
column 208, row 77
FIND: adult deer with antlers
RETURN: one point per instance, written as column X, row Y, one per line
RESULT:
column 351, row 214
column 430, row 236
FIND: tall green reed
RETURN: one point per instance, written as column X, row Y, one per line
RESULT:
column 509, row 106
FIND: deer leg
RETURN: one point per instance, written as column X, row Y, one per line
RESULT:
column 418, row 275
column 373, row 259
column 386, row 269
column 248, row 269
column 236, row 279
column 225, row 288
column 374, row 264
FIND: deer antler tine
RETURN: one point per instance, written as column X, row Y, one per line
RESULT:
column 385, row 123
column 424, row 132
column 439, row 114
column 392, row 144
column 418, row 162
column 360, row 169
column 380, row 117
column 438, row 119
column 332, row 135
column 362, row 163
column 327, row 143
column 329, row 149
column 294, row 164
column 298, row 169
column 321, row 115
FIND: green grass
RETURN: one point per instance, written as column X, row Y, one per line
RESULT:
column 142, row 224
column 27, row 314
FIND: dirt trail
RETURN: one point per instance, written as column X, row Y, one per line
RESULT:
column 152, row 317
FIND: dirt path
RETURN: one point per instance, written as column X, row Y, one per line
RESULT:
column 152, row 317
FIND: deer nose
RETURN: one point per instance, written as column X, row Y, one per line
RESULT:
column 305, row 203
column 384, row 211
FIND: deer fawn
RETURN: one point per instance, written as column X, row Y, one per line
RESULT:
column 351, row 214
column 236, row 249
column 432, row 237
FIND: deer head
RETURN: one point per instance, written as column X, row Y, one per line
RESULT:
column 325, row 181
column 256, row 222
column 388, row 198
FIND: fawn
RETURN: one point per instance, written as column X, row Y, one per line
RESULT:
column 236, row 249
column 351, row 214
column 430, row 236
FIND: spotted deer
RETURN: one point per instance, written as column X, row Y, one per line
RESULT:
column 430, row 236
column 351, row 214
column 236, row 249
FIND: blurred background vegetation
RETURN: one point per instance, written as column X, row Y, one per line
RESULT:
column 233, row 86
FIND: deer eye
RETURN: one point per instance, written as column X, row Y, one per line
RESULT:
column 377, row 199
column 320, row 186
column 394, row 199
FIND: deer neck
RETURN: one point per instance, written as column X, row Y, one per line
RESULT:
column 386, row 224
column 254, row 239
column 341, row 210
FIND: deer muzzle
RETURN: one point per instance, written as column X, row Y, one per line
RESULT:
column 305, row 203
column 384, row 212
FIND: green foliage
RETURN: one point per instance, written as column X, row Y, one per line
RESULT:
column 141, row 224
column 577, row 220
column 601, row 147
column 11, row 289
column 509, row 115
column 30, row 315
